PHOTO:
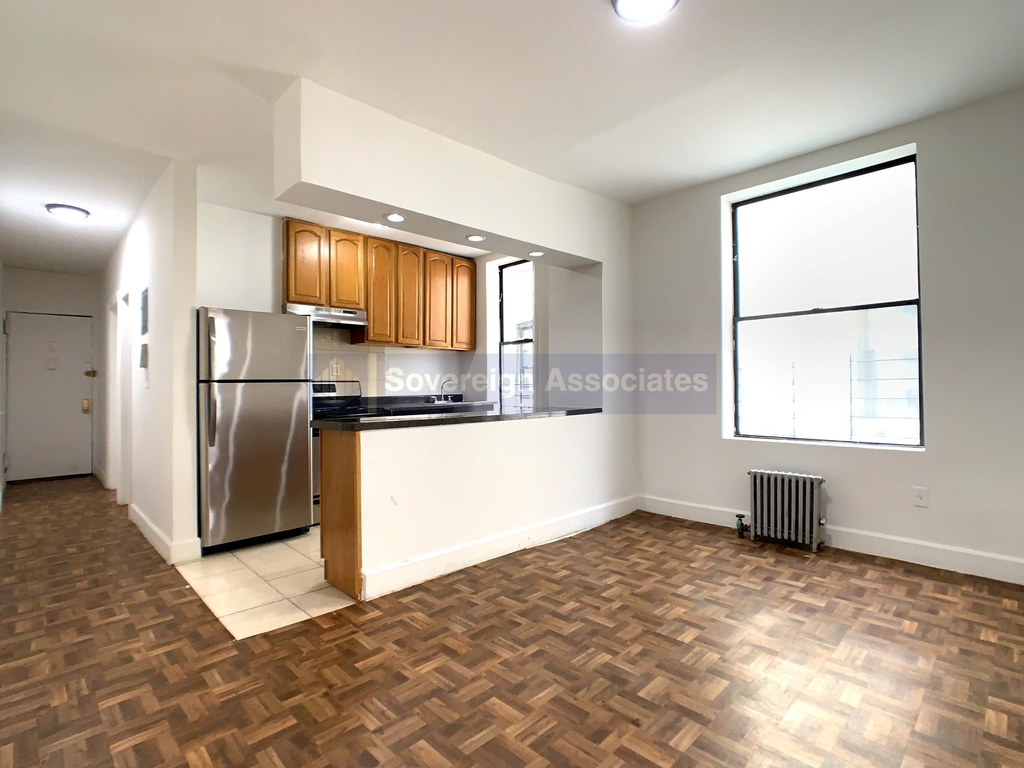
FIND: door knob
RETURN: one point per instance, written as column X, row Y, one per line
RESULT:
column 86, row 406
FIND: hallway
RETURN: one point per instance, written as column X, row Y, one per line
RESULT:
column 648, row 641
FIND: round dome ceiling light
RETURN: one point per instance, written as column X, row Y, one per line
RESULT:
column 643, row 11
column 476, row 238
column 395, row 218
column 536, row 254
column 70, row 213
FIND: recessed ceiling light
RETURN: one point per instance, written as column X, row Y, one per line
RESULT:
column 643, row 11
column 476, row 238
column 68, row 212
column 395, row 218
column 536, row 254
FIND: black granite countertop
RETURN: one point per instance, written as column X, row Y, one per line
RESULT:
column 365, row 423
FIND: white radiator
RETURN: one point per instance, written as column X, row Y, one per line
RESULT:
column 786, row 508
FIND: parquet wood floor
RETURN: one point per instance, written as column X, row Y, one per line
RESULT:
column 647, row 642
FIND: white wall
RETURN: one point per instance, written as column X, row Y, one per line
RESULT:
column 470, row 492
column 29, row 290
column 573, row 298
column 239, row 259
column 63, row 293
column 3, row 386
column 159, row 253
column 567, row 324
column 971, row 184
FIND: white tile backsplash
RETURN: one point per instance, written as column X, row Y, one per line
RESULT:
column 336, row 358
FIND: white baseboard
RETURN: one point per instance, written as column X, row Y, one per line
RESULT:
column 173, row 552
column 384, row 580
column 186, row 551
column 153, row 534
column 686, row 510
column 960, row 559
column 990, row 565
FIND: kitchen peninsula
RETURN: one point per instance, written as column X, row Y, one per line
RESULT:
column 408, row 498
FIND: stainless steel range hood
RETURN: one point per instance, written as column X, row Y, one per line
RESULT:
column 328, row 315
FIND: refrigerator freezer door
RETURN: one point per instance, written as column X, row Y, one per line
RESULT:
column 252, row 346
column 254, row 460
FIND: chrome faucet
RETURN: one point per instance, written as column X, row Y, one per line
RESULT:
column 441, row 396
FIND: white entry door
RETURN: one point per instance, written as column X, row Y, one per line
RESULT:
column 49, row 395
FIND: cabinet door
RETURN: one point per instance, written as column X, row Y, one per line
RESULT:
column 438, row 300
column 381, row 267
column 410, row 295
column 347, row 270
column 463, row 304
column 306, row 256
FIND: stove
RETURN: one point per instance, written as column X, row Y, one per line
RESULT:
column 335, row 400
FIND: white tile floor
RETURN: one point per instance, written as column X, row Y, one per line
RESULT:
column 266, row 587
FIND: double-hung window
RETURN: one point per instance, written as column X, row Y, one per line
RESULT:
column 515, row 322
column 827, row 312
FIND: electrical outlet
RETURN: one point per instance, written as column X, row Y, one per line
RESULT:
column 335, row 369
column 920, row 496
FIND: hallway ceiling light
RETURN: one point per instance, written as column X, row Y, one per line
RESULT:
column 643, row 11
column 70, row 213
column 536, row 254
column 476, row 238
column 395, row 218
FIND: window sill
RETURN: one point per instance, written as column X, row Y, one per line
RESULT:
column 827, row 443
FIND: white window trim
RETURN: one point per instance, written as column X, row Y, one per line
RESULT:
column 727, row 378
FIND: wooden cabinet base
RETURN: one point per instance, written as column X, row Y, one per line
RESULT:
column 340, row 530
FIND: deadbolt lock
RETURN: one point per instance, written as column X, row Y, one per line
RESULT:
column 91, row 374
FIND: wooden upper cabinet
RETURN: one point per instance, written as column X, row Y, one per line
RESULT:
column 306, row 263
column 410, row 295
column 438, row 305
column 347, row 283
column 381, row 285
column 463, row 304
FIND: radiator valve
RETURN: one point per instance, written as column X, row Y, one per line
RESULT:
column 740, row 527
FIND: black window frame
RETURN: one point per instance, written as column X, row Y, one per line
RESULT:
column 737, row 318
column 501, row 327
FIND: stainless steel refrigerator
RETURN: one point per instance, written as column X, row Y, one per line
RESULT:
column 254, row 438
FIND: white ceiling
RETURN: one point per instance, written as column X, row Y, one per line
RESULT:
column 40, row 165
column 560, row 87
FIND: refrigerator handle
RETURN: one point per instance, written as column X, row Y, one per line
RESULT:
column 211, row 336
column 211, row 412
